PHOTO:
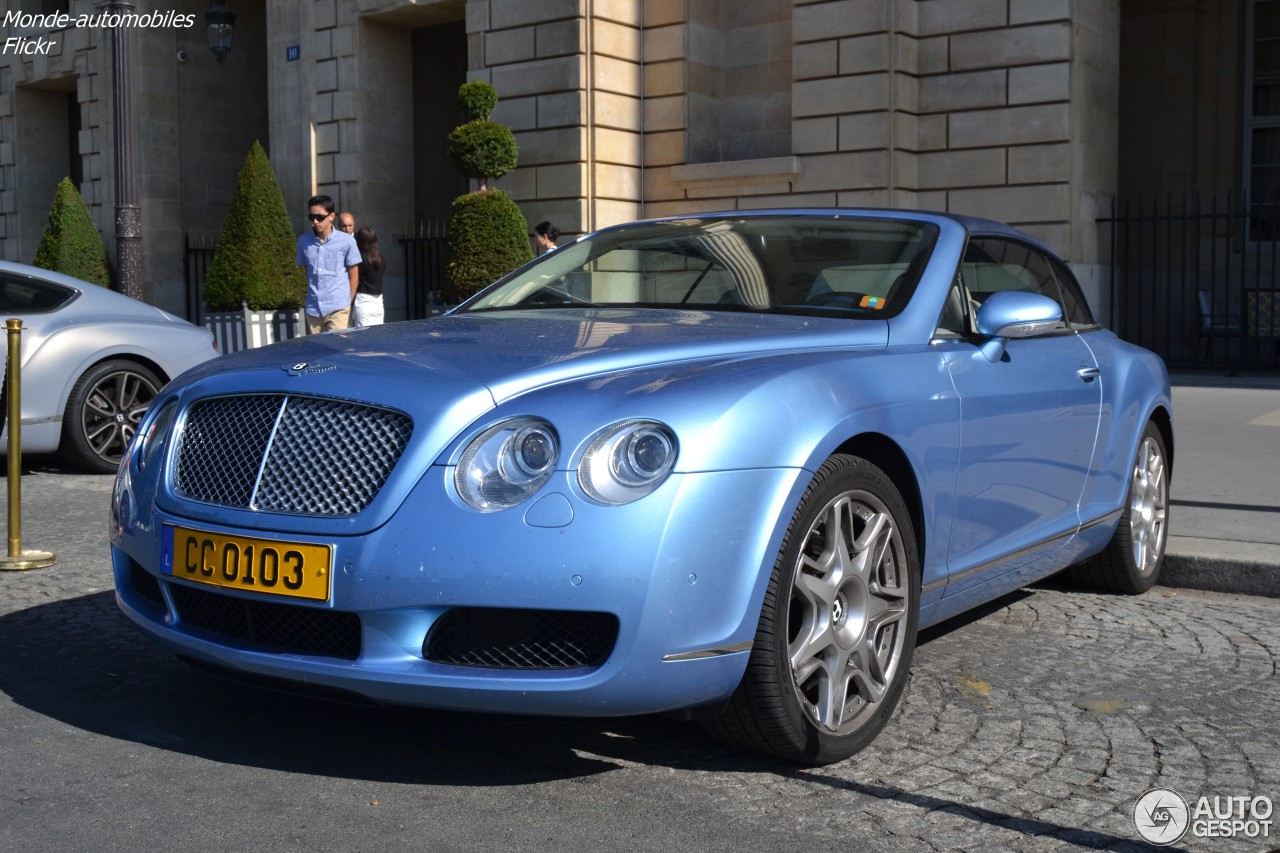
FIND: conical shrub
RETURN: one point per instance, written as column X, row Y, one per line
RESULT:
column 70, row 243
column 255, row 259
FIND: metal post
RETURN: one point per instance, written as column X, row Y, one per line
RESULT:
column 17, row 559
column 128, row 213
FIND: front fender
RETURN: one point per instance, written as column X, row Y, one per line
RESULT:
column 789, row 411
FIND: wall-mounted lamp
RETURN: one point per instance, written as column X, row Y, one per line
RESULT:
column 221, row 28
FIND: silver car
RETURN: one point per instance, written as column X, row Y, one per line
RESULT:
column 92, row 361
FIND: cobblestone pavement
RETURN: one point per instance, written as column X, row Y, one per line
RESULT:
column 1032, row 725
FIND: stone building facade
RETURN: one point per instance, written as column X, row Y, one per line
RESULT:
column 623, row 109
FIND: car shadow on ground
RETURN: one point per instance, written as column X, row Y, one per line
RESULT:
column 45, row 463
column 79, row 661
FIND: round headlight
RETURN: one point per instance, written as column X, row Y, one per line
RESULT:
column 506, row 464
column 627, row 461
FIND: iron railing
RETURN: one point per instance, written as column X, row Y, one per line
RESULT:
column 1196, row 280
column 197, row 254
column 423, row 264
column 424, row 269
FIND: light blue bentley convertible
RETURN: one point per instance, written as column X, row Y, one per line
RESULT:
column 728, row 463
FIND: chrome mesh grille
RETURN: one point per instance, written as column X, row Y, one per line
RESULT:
column 288, row 454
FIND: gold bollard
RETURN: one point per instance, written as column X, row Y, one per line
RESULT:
column 18, row 559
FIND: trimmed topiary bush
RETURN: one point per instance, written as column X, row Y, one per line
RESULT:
column 488, row 236
column 482, row 150
column 481, row 246
column 256, row 257
column 477, row 99
column 71, row 244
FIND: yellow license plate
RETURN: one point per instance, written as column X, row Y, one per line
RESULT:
column 269, row 566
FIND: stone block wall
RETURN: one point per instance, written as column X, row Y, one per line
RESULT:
column 570, row 88
column 34, row 132
column 998, row 108
column 625, row 108
column 195, row 123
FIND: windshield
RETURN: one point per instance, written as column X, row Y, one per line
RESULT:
column 855, row 266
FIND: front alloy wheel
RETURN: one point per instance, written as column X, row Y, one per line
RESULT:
column 103, row 413
column 838, row 629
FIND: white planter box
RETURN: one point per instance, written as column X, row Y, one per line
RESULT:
column 245, row 329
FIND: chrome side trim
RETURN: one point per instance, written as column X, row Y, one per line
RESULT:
column 1014, row 555
column 734, row 649
column 1102, row 519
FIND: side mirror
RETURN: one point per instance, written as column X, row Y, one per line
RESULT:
column 1015, row 314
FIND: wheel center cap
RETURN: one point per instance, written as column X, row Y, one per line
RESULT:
column 849, row 614
column 839, row 610
column 119, row 417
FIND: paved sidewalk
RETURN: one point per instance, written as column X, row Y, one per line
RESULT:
column 1225, row 504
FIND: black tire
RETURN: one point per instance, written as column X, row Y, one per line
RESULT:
column 1131, row 562
column 103, row 412
column 848, row 604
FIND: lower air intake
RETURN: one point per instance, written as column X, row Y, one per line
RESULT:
column 497, row 638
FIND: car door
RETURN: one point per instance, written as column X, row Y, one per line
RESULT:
column 1029, row 425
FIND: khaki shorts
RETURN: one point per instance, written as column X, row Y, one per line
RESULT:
column 339, row 319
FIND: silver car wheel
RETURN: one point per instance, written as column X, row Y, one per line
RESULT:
column 113, row 407
column 1148, row 506
column 849, row 600
column 104, row 411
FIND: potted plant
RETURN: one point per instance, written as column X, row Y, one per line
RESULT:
column 254, row 288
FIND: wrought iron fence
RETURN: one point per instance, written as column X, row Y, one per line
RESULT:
column 1196, row 280
column 424, row 269
column 197, row 254
column 423, row 263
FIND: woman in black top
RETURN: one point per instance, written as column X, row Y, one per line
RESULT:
column 367, row 309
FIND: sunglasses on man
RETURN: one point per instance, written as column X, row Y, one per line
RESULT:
column 316, row 217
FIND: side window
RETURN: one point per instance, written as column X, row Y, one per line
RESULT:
column 22, row 295
column 991, row 265
column 1077, row 309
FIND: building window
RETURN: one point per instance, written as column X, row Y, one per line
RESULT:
column 1262, row 117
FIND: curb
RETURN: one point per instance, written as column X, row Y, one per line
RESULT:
column 1222, row 565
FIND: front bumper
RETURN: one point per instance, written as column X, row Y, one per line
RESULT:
column 682, row 571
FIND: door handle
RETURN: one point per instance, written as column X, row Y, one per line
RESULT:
column 1088, row 374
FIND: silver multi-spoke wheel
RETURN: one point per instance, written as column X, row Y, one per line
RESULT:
column 104, row 411
column 838, row 627
column 1148, row 506
column 1132, row 559
column 850, row 597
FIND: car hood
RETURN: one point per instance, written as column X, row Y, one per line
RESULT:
column 448, row 372
column 509, row 353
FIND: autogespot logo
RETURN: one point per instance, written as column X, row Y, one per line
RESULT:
column 1161, row 816
column 1164, row 817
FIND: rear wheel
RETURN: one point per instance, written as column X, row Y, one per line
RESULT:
column 838, row 628
column 1132, row 560
column 104, row 410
